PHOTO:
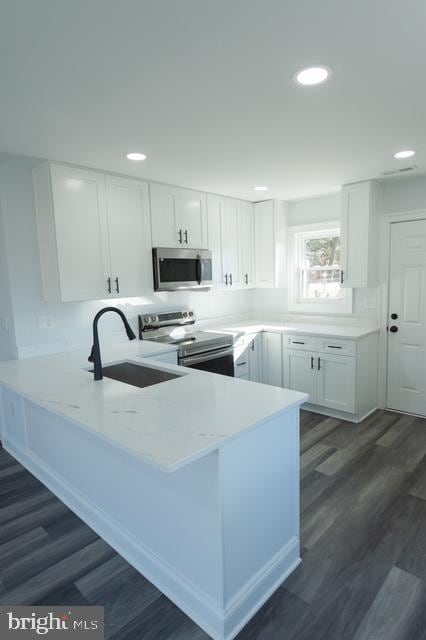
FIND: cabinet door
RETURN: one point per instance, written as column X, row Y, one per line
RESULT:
column 192, row 219
column 81, row 232
column 215, row 208
column 336, row 382
column 264, row 243
column 246, row 243
column 300, row 372
column 129, row 236
column 230, row 257
column 360, row 208
column 165, row 229
column 272, row 361
column 255, row 358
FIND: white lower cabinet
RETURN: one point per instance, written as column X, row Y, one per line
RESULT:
column 272, row 359
column 299, row 372
column 329, row 380
column 336, row 385
column 340, row 376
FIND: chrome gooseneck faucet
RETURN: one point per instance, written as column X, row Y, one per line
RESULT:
column 95, row 354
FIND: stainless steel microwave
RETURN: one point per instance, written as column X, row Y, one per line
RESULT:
column 176, row 269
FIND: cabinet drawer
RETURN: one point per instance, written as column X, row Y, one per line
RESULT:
column 338, row 347
column 306, row 343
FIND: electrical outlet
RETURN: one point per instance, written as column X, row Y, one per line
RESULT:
column 46, row 322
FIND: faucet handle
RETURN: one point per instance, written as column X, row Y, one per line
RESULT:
column 91, row 357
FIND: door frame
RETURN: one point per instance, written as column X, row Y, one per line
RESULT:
column 384, row 276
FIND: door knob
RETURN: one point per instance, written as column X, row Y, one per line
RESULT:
column 394, row 316
column 393, row 329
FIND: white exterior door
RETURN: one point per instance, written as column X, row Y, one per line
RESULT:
column 300, row 372
column 336, row 382
column 406, row 379
column 129, row 236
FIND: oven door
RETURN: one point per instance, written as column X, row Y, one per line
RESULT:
column 176, row 269
column 220, row 361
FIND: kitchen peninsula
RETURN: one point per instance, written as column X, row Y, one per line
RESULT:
column 195, row 481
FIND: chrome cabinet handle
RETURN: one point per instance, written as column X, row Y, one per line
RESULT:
column 341, row 277
column 246, row 278
column 186, row 236
column 312, row 362
column 109, row 285
column 226, row 279
column 117, row 286
column 230, row 279
column 319, row 364
column 180, row 236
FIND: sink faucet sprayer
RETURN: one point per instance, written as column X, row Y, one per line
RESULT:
column 95, row 354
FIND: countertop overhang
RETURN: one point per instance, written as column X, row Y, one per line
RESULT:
column 167, row 425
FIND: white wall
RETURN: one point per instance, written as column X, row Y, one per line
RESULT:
column 7, row 331
column 73, row 320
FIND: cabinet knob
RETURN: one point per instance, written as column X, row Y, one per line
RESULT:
column 393, row 329
column 394, row 316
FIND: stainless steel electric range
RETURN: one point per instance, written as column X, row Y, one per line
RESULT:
column 206, row 350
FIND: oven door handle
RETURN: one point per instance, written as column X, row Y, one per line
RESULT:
column 199, row 270
column 204, row 357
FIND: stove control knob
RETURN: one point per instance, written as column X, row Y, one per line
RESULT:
column 147, row 319
column 185, row 314
column 191, row 313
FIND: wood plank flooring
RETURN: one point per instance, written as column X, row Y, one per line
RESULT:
column 363, row 576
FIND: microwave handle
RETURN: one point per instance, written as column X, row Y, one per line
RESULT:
column 199, row 270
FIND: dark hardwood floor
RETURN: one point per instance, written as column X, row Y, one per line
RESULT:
column 363, row 575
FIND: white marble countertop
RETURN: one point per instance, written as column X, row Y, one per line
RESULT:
column 322, row 330
column 167, row 425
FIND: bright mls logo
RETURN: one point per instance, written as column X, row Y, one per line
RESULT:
column 52, row 622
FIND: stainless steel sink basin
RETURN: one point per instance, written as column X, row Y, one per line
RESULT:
column 137, row 375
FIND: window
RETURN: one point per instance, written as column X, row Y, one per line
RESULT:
column 314, row 270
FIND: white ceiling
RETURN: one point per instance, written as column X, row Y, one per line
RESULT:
column 205, row 88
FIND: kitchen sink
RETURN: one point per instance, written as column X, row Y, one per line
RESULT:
column 137, row 375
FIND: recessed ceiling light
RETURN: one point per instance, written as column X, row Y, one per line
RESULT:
column 136, row 156
column 313, row 75
column 404, row 154
column 260, row 188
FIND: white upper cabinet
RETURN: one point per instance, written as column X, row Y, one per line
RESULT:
column 215, row 211
column 193, row 219
column 178, row 217
column 231, row 240
column 230, row 246
column 360, row 210
column 270, row 232
column 165, row 228
column 246, row 243
column 129, row 236
column 86, row 221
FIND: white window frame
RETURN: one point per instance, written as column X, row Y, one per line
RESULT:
column 296, row 237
